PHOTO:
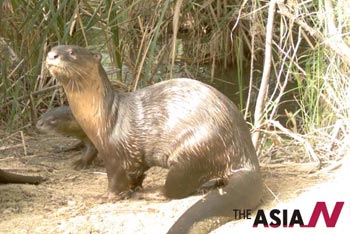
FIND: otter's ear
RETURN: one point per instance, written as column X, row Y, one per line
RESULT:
column 97, row 57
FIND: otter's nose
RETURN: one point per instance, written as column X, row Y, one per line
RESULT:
column 52, row 55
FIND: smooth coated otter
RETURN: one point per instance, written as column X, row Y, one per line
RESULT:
column 180, row 124
column 10, row 178
column 61, row 121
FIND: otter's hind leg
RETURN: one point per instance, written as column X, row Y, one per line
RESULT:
column 197, row 158
column 184, row 180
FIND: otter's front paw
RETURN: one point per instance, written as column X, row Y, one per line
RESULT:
column 111, row 197
column 156, row 195
column 80, row 164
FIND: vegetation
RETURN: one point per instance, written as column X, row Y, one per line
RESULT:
column 296, row 53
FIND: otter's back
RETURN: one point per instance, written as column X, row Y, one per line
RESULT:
column 186, row 115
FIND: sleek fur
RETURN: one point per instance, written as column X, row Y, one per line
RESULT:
column 180, row 124
column 60, row 120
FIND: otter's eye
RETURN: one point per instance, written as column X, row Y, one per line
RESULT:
column 71, row 52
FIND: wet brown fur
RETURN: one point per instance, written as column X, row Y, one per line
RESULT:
column 180, row 124
column 60, row 120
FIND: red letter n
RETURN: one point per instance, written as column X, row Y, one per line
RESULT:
column 321, row 207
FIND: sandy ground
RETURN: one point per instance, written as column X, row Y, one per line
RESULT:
column 69, row 201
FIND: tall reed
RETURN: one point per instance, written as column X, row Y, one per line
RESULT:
column 307, row 69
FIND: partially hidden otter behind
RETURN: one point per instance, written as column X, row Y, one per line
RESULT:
column 180, row 124
column 11, row 178
column 60, row 120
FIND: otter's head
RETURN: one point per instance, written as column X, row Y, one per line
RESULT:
column 73, row 65
column 59, row 120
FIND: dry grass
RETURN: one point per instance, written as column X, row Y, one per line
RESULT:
column 305, row 73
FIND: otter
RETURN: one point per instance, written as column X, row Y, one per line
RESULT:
column 61, row 121
column 11, row 178
column 180, row 124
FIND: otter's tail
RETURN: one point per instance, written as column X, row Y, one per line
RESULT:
column 243, row 191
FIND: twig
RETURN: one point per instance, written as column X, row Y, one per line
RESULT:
column 297, row 137
column 238, row 18
column 10, row 147
column 272, row 193
column 99, row 173
column 307, row 168
column 15, row 69
column 27, row 157
column 143, row 59
column 175, row 30
column 253, row 30
column 260, row 103
column 35, row 93
column 23, row 143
